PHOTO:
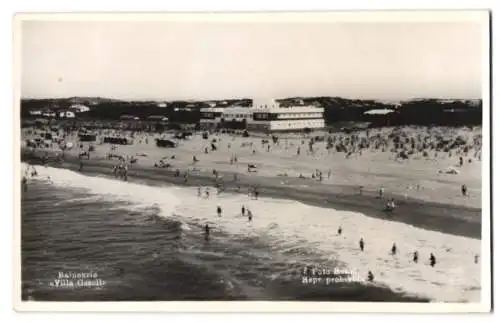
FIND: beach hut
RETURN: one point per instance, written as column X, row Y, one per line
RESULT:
column 183, row 135
column 87, row 137
column 117, row 140
column 165, row 143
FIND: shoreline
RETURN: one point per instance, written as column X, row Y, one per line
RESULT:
column 445, row 218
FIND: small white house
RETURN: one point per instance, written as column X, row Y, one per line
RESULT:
column 49, row 114
column 79, row 108
column 67, row 114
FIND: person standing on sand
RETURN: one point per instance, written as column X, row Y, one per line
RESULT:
column 393, row 249
column 381, row 192
column 432, row 260
column 125, row 172
column 339, row 230
column 207, row 231
column 24, row 183
column 207, row 193
column 362, row 244
column 464, row 190
column 415, row 256
column 219, row 211
column 250, row 215
column 371, row 277
column 242, row 210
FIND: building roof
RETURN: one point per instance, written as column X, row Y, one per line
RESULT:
column 214, row 109
column 127, row 117
column 157, row 117
column 290, row 109
column 79, row 107
column 236, row 110
column 379, row 111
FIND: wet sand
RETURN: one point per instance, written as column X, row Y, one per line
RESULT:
column 445, row 218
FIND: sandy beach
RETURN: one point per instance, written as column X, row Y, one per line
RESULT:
column 426, row 195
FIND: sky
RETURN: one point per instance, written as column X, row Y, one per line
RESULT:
column 203, row 60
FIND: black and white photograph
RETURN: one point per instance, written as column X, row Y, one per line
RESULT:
column 298, row 158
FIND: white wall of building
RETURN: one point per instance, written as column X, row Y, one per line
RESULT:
column 287, row 124
column 237, row 113
column 79, row 108
column 67, row 114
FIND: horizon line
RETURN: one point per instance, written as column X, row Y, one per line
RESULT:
column 245, row 98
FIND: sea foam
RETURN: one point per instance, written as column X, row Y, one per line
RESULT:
column 290, row 226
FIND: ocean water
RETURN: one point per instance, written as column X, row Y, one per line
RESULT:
column 143, row 242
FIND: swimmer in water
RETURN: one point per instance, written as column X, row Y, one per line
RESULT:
column 219, row 210
column 381, row 192
column 371, row 277
column 393, row 249
column 415, row 256
column 339, row 230
column 432, row 260
column 362, row 244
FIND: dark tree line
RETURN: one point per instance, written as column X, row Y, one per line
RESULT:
column 416, row 112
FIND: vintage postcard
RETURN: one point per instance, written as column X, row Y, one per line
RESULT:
column 257, row 162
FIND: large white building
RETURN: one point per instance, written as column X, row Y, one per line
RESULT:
column 265, row 115
column 271, row 116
